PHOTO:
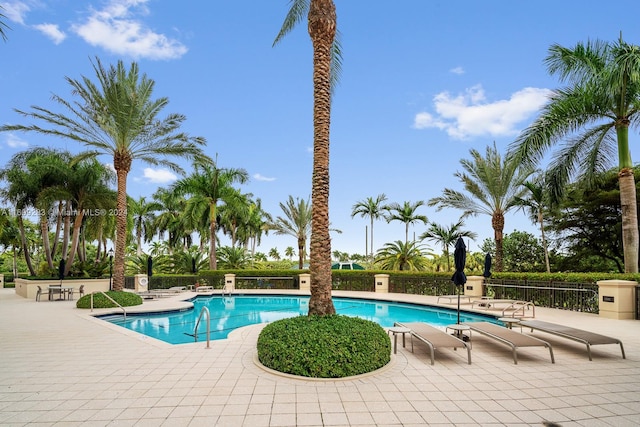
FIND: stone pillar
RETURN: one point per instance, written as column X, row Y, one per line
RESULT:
column 141, row 283
column 305, row 281
column 1, row 280
column 230, row 282
column 474, row 286
column 617, row 298
column 382, row 283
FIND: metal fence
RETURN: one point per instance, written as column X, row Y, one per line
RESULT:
column 288, row 282
column 562, row 295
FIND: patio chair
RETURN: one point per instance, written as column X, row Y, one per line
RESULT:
column 38, row 293
column 434, row 338
column 81, row 291
column 579, row 335
column 513, row 339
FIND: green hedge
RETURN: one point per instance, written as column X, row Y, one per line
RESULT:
column 125, row 299
column 324, row 346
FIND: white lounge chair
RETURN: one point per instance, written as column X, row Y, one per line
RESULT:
column 513, row 339
column 434, row 338
column 579, row 335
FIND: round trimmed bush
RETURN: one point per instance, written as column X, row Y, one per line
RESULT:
column 125, row 299
column 324, row 346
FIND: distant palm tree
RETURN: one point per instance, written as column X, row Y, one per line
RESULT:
column 289, row 252
column 274, row 254
column 322, row 25
column 208, row 185
column 602, row 101
column 406, row 213
column 492, row 186
column 372, row 208
column 119, row 118
column 447, row 236
column 296, row 222
column 143, row 215
column 534, row 203
column 401, row 256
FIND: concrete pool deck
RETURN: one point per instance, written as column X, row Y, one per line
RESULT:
column 61, row 367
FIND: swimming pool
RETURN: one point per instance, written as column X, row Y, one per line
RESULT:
column 232, row 312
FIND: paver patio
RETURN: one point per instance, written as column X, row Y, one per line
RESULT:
column 60, row 367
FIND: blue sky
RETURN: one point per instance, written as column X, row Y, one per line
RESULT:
column 423, row 82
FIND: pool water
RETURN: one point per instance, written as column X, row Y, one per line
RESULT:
column 232, row 312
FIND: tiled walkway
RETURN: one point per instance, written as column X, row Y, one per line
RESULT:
column 60, row 367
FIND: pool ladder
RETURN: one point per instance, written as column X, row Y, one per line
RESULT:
column 204, row 311
column 110, row 299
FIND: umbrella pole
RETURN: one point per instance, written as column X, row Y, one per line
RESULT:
column 458, row 305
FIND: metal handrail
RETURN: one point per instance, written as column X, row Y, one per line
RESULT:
column 110, row 299
column 195, row 331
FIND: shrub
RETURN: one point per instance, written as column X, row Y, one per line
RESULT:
column 125, row 299
column 324, row 346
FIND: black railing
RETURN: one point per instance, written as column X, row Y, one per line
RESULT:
column 349, row 282
column 562, row 295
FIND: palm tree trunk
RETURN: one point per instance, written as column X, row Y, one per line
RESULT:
column 544, row 242
column 322, row 30
column 46, row 245
column 66, row 229
column 77, row 224
column 122, row 169
column 213, row 264
column 629, row 219
column 25, row 246
column 56, row 235
column 301, row 245
column 497, row 222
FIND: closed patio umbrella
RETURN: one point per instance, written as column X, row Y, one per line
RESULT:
column 460, row 259
column 149, row 266
column 487, row 266
column 61, row 268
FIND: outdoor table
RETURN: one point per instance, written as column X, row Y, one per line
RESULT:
column 399, row 330
column 458, row 332
column 64, row 291
column 510, row 322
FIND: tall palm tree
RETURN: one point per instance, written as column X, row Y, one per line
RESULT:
column 208, row 185
column 372, row 208
column 592, row 116
column 143, row 215
column 296, row 222
column 406, row 213
column 534, row 202
column 322, row 24
column 492, row 186
column 118, row 117
column 447, row 236
column 401, row 256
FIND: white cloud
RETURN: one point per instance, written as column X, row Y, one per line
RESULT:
column 15, row 10
column 116, row 29
column 52, row 31
column 259, row 177
column 469, row 114
column 15, row 142
column 159, row 176
column 457, row 70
